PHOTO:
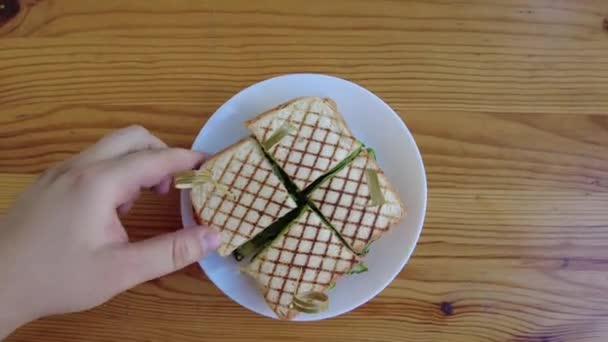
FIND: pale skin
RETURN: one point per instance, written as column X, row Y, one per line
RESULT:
column 63, row 247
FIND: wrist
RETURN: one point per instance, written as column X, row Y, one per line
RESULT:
column 12, row 315
column 15, row 302
column 9, row 322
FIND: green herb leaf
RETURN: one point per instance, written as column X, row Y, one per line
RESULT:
column 365, row 250
column 188, row 179
column 377, row 198
column 191, row 178
column 244, row 251
column 311, row 302
column 238, row 256
column 279, row 134
column 358, row 268
column 371, row 152
column 263, row 239
column 308, row 310
column 331, row 173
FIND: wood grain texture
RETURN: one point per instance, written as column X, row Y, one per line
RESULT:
column 508, row 101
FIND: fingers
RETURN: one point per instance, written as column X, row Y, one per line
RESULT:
column 164, row 254
column 163, row 186
column 145, row 169
column 124, row 208
column 116, row 144
column 121, row 142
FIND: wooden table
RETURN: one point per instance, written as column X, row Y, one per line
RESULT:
column 508, row 101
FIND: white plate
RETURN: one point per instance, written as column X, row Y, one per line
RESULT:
column 374, row 123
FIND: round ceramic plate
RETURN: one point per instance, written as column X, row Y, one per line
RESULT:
column 373, row 122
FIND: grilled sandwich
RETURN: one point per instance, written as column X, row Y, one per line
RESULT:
column 307, row 137
column 359, row 202
column 302, row 199
column 300, row 265
column 239, row 195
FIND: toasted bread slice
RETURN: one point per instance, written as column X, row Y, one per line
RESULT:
column 249, row 196
column 345, row 200
column 308, row 257
column 320, row 138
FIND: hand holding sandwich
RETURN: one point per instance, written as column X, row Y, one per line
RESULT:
column 62, row 245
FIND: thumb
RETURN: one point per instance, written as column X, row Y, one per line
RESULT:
column 164, row 254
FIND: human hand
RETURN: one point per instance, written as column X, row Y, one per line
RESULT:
column 62, row 245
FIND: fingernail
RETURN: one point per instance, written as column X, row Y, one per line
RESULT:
column 211, row 239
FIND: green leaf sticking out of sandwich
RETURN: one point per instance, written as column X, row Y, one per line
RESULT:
column 371, row 152
column 287, row 183
column 311, row 302
column 257, row 244
column 331, row 173
column 375, row 191
column 279, row 134
column 358, row 268
column 365, row 250
column 192, row 178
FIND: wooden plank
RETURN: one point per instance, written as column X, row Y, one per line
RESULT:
column 546, row 56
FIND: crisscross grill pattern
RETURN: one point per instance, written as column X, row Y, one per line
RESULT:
column 320, row 141
column 344, row 201
column 308, row 257
column 256, row 195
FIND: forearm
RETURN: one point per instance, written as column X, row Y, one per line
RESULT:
column 15, row 302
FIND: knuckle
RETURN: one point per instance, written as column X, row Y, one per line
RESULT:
column 50, row 174
column 133, row 130
column 179, row 155
column 172, row 155
column 162, row 156
column 58, row 170
column 185, row 251
column 86, row 178
column 137, row 130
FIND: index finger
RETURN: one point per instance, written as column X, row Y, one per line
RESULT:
column 121, row 142
column 116, row 144
column 148, row 168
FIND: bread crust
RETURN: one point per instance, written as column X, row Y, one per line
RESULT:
column 329, row 101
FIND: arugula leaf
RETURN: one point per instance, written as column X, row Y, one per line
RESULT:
column 358, row 268
column 279, row 134
column 371, row 152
